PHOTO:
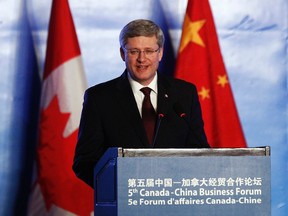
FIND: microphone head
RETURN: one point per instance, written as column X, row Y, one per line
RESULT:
column 179, row 110
column 161, row 112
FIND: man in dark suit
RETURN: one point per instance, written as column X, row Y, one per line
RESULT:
column 113, row 112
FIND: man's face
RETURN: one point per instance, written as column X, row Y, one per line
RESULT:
column 142, row 66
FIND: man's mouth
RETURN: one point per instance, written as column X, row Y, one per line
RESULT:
column 142, row 66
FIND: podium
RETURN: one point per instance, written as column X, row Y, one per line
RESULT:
column 138, row 182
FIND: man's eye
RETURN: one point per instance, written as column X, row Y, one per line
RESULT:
column 134, row 52
column 149, row 52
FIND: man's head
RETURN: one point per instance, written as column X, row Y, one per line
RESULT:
column 141, row 27
column 141, row 47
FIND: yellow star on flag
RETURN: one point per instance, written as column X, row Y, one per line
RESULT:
column 204, row 93
column 191, row 33
column 222, row 80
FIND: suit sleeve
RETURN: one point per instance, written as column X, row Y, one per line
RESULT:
column 89, row 147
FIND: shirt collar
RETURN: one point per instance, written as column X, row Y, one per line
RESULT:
column 137, row 86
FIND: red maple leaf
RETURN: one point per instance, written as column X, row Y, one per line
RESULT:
column 58, row 183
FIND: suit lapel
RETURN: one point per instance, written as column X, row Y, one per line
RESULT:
column 165, row 106
column 128, row 106
column 163, row 99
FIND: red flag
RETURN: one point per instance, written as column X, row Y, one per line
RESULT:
column 57, row 190
column 200, row 62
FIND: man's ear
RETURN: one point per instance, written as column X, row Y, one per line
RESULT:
column 161, row 51
column 122, row 53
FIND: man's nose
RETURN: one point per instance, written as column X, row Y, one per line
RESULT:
column 141, row 56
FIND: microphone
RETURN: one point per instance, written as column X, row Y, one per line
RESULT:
column 180, row 112
column 159, row 120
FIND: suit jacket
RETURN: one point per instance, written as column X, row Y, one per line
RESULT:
column 110, row 118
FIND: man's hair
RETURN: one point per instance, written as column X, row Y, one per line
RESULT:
column 141, row 27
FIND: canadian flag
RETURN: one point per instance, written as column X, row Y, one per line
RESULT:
column 57, row 191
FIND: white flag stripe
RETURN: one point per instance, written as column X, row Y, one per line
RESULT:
column 68, row 83
column 37, row 206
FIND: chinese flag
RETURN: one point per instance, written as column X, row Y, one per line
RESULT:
column 200, row 62
column 57, row 191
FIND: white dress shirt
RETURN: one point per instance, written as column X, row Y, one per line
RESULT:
column 139, row 96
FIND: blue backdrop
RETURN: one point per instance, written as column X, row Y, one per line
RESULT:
column 254, row 42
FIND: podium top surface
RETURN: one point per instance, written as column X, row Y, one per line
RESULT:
column 259, row 151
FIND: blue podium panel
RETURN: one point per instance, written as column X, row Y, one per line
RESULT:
column 200, row 186
column 105, row 184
